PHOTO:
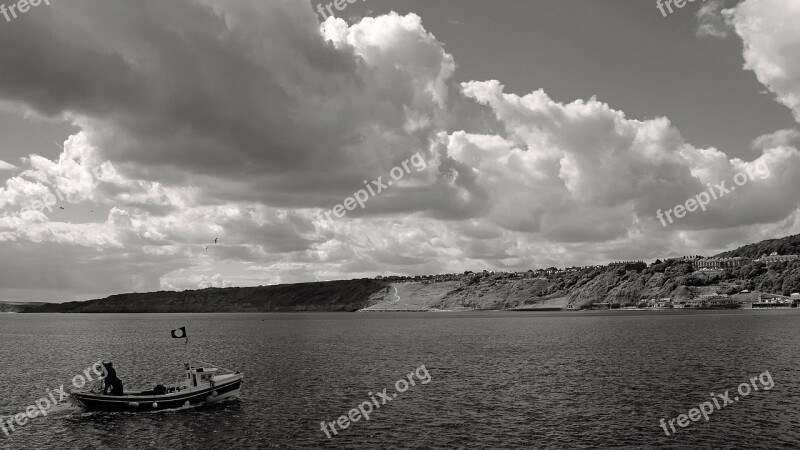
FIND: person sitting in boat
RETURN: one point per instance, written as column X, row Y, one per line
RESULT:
column 111, row 381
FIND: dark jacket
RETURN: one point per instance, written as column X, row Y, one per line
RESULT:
column 111, row 381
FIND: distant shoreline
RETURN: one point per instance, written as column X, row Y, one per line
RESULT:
column 741, row 279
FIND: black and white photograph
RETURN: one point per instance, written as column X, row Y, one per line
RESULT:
column 390, row 224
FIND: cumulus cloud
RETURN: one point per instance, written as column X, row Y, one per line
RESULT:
column 195, row 282
column 711, row 20
column 272, row 110
column 771, row 45
column 6, row 166
column 584, row 161
column 781, row 138
column 275, row 113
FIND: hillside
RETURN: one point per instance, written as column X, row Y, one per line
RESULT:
column 621, row 285
column 349, row 295
column 672, row 278
column 786, row 246
column 624, row 286
column 15, row 307
column 579, row 288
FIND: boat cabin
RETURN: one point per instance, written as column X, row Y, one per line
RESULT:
column 200, row 376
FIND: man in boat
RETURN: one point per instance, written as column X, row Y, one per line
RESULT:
column 111, row 381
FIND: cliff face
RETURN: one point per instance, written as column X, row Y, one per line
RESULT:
column 576, row 289
column 628, row 285
column 496, row 292
column 349, row 295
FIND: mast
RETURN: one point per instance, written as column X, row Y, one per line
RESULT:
column 180, row 333
column 188, row 352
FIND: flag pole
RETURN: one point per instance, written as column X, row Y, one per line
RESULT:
column 181, row 333
column 188, row 352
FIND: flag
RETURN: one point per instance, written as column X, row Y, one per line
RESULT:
column 179, row 333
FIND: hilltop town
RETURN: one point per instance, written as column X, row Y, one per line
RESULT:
column 683, row 282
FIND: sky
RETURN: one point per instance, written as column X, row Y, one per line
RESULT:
column 517, row 134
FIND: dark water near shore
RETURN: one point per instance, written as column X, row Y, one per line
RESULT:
column 557, row 380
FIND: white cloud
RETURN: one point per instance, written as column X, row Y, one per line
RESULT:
column 710, row 19
column 588, row 173
column 194, row 282
column 771, row 39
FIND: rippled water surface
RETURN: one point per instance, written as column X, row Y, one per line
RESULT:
column 556, row 380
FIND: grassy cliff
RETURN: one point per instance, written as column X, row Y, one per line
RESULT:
column 349, row 295
column 785, row 246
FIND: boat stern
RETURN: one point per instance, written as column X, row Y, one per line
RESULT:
column 75, row 400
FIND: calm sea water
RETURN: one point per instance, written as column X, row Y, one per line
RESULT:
column 534, row 380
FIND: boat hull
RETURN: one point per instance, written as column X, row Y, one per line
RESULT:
column 138, row 403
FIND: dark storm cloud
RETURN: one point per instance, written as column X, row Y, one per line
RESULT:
column 248, row 92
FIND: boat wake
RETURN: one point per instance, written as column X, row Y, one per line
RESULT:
column 63, row 409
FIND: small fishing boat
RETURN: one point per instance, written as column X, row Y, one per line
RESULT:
column 199, row 386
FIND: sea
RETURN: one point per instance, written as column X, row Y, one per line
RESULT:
column 492, row 379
